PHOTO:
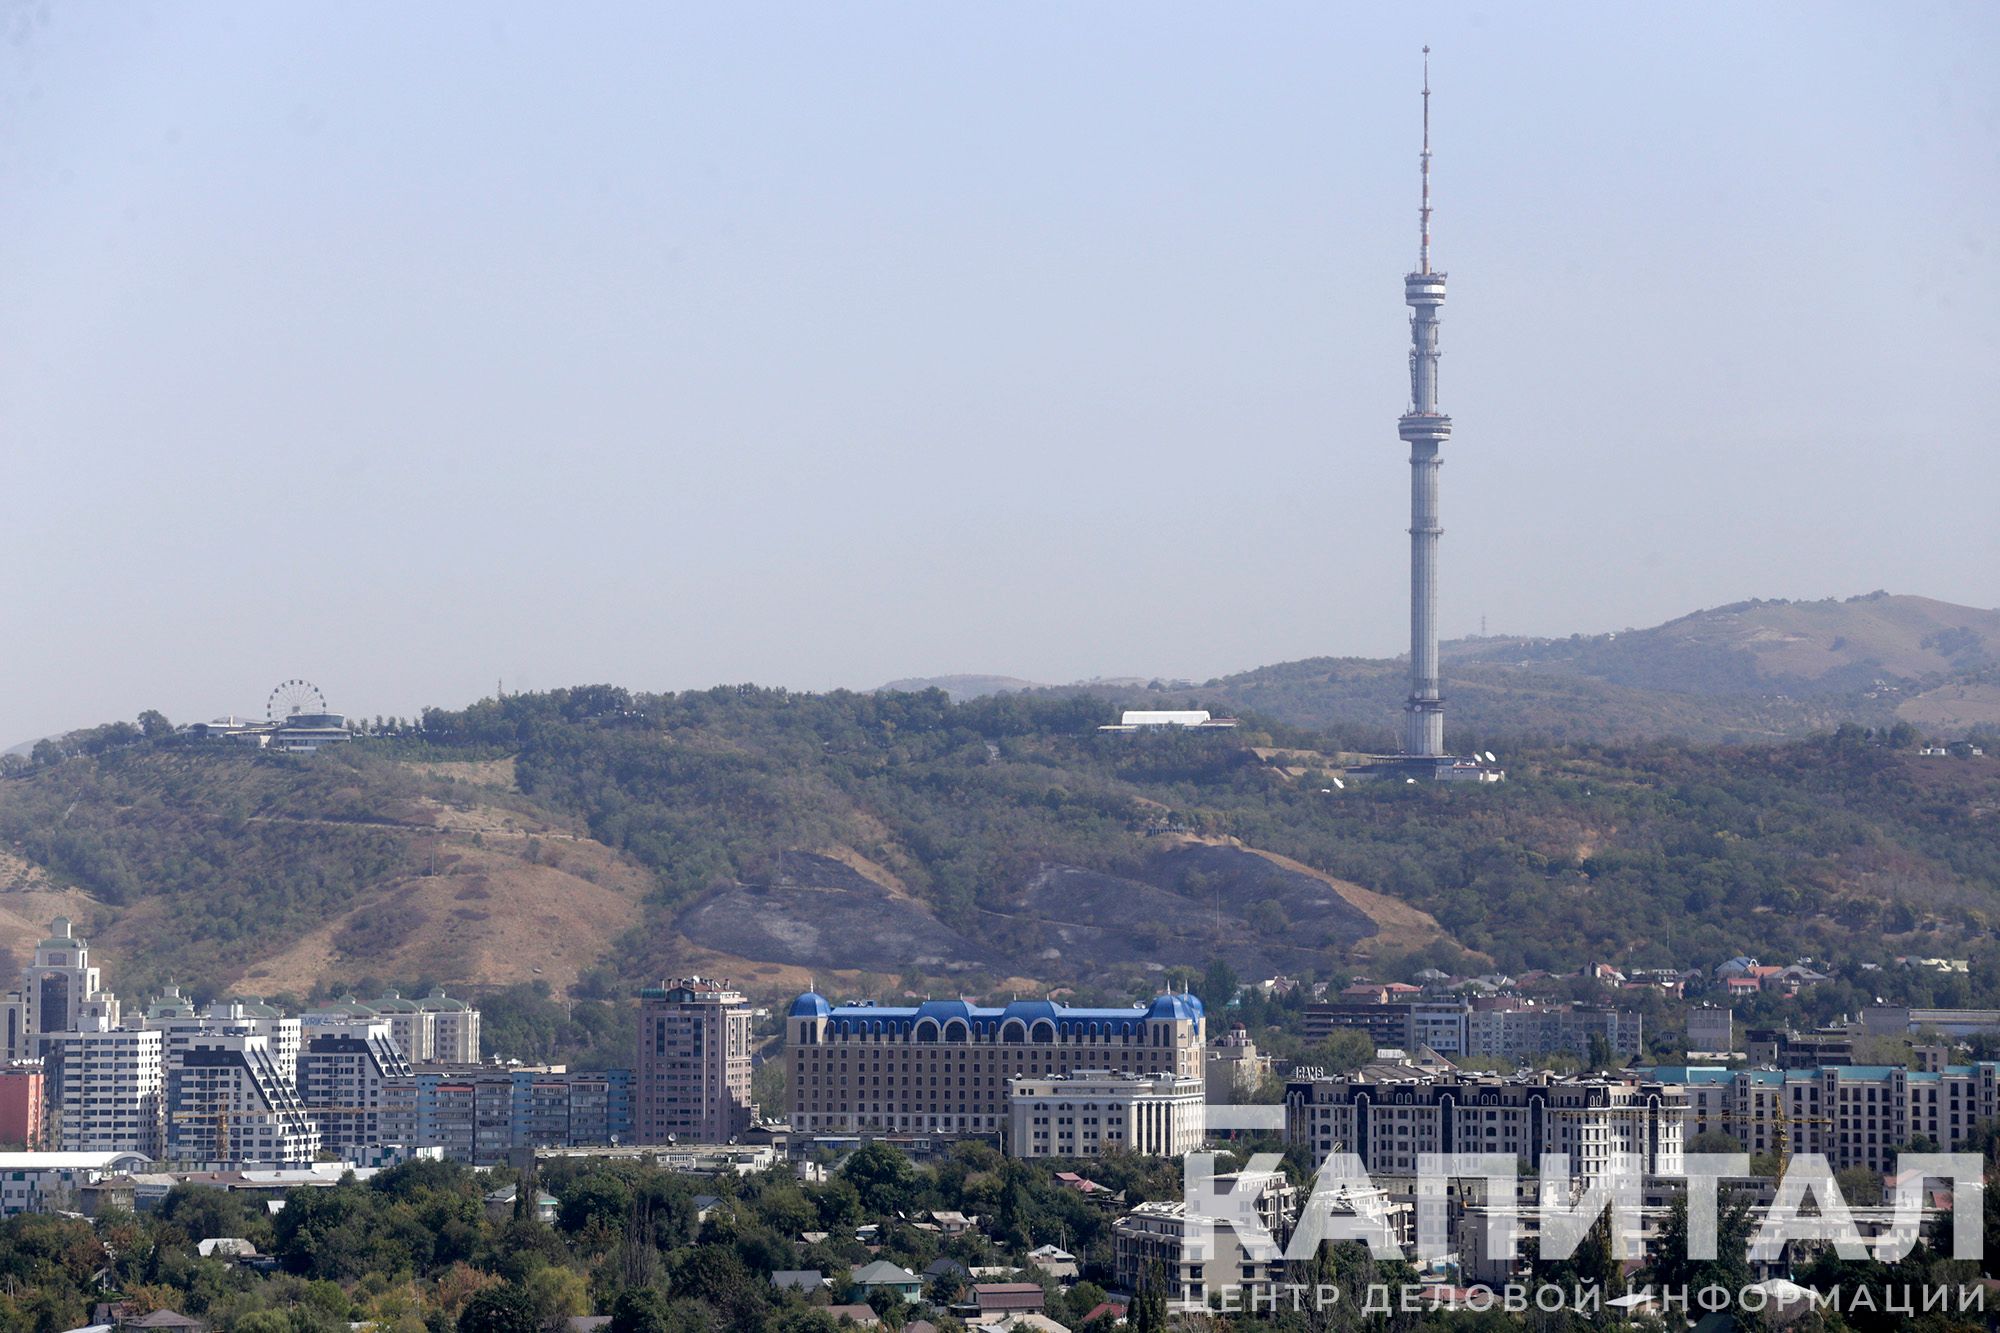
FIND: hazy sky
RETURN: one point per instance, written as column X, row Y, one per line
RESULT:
column 411, row 347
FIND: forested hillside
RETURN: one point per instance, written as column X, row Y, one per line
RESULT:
column 587, row 840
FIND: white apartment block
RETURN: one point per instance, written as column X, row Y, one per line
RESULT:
column 227, row 1103
column 111, row 1084
column 357, row 1087
column 1517, row 1033
column 1153, row 1238
column 182, row 1025
column 1095, row 1111
column 1440, row 1025
column 1389, row 1122
column 434, row 1029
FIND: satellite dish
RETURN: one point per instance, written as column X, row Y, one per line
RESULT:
column 1490, row 759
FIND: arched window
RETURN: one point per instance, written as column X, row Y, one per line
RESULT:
column 956, row 1030
column 927, row 1029
column 1013, row 1031
column 1044, row 1032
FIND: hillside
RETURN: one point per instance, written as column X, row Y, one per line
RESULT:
column 1761, row 670
column 592, row 839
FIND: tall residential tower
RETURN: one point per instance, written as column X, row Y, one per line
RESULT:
column 1425, row 428
column 692, row 1079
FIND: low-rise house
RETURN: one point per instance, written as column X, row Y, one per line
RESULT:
column 860, row 1314
column 500, row 1205
column 953, row 1223
column 165, row 1321
column 1055, row 1261
column 805, row 1281
column 1004, row 1298
column 1023, row 1322
column 947, row 1274
column 881, row 1275
column 225, row 1247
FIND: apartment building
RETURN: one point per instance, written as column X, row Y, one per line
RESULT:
column 692, row 1074
column 1508, row 1029
column 228, row 1102
column 1857, row 1115
column 107, row 1089
column 433, row 1029
column 357, row 1087
column 23, row 1091
column 484, row 1114
column 1390, row 1117
column 1711, row 1028
column 1095, row 1111
column 1384, row 1023
column 1518, row 1032
column 1153, row 1238
column 944, row 1067
column 183, row 1024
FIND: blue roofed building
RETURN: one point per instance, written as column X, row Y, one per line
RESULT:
column 942, row 1067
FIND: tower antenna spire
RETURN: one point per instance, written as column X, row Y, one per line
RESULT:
column 1424, row 248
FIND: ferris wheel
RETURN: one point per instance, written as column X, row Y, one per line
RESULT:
column 292, row 698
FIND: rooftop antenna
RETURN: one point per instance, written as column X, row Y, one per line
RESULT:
column 1424, row 250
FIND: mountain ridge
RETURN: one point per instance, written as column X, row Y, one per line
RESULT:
column 1764, row 669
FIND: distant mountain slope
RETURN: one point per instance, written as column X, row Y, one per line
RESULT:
column 1828, row 647
column 1760, row 670
column 961, row 688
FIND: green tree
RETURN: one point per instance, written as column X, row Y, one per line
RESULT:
column 1344, row 1052
column 883, row 1177
column 1148, row 1313
column 502, row 1309
column 639, row 1310
column 1217, row 987
column 1674, row 1267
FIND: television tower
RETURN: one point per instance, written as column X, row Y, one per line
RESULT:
column 1425, row 428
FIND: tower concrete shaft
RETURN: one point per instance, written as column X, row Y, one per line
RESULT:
column 1425, row 428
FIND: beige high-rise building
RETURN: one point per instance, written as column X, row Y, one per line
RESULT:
column 943, row 1067
column 691, row 1080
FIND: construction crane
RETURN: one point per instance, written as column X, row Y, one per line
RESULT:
column 221, row 1119
column 1782, row 1124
